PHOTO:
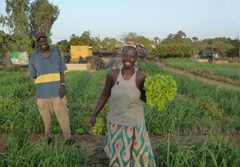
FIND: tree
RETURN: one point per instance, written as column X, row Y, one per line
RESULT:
column 175, row 45
column 147, row 43
column 95, row 44
column 23, row 21
column 172, row 50
column 156, row 41
column 85, row 37
column 180, row 34
column 17, row 22
column 222, row 45
column 63, row 46
column 195, row 45
column 170, row 36
column 110, row 44
column 4, row 45
column 179, row 37
column 194, row 39
column 42, row 16
column 82, row 40
column 132, row 36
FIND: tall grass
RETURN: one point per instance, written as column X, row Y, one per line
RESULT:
column 15, row 84
column 84, row 89
column 214, row 152
column 24, row 152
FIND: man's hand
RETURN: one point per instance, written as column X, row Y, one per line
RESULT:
column 62, row 91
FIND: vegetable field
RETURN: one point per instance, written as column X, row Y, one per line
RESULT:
column 228, row 73
column 207, row 117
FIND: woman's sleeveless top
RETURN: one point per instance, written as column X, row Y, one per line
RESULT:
column 126, row 107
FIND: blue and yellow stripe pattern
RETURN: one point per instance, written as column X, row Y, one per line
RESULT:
column 48, row 78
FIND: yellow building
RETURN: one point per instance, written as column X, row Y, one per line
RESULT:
column 77, row 51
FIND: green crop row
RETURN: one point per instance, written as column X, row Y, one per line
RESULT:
column 170, row 151
column 21, row 151
column 197, row 152
column 226, row 70
column 83, row 91
column 16, row 84
column 197, row 106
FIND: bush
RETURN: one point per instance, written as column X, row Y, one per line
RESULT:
column 208, row 107
column 169, row 50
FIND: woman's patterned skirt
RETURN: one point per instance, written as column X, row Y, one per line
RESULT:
column 128, row 146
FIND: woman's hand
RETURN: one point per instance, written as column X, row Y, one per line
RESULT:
column 92, row 122
column 103, row 99
column 62, row 91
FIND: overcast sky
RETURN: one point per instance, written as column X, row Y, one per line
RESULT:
column 150, row 18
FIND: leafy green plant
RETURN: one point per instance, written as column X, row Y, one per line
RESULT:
column 159, row 89
column 80, row 131
column 57, row 129
column 208, row 107
column 98, row 127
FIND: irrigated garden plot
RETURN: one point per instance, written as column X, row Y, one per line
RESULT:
column 228, row 73
column 197, row 110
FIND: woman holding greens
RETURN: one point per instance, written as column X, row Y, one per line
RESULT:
column 127, row 142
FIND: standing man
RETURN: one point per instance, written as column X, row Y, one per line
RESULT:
column 47, row 66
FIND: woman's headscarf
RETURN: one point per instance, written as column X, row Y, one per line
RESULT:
column 137, row 46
